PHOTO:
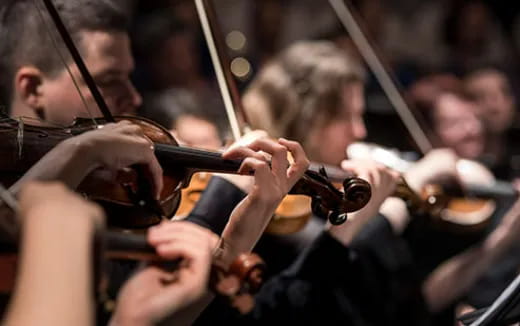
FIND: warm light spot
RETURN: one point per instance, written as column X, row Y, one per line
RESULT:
column 240, row 67
column 236, row 40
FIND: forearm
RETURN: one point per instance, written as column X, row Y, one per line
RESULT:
column 246, row 225
column 54, row 285
column 455, row 277
column 68, row 162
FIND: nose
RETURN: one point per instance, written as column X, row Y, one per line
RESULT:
column 136, row 99
column 360, row 131
column 130, row 101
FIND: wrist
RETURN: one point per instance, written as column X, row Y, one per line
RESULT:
column 125, row 319
column 83, row 153
column 396, row 212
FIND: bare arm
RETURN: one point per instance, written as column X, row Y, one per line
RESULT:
column 455, row 277
column 54, row 282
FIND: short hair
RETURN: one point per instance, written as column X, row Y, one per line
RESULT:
column 299, row 88
column 425, row 102
column 167, row 106
column 26, row 39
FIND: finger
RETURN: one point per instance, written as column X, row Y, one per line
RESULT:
column 279, row 162
column 251, row 165
column 128, row 128
column 301, row 162
column 171, row 230
column 192, row 254
column 242, row 152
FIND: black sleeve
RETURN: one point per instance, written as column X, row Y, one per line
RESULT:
column 308, row 292
column 386, row 289
column 215, row 205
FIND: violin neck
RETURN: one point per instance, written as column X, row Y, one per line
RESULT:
column 196, row 159
column 333, row 173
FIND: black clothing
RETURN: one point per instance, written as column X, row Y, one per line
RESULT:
column 215, row 205
column 335, row 285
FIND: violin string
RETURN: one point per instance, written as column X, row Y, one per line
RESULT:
column 64, row 62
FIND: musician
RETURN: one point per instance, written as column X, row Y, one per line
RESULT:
column 37, row 86
column 54, row 284
column 497, row 109
column 195, row 121
column 314, row 93
column 451, row 113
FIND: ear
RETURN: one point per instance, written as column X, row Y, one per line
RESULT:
column 28, row 81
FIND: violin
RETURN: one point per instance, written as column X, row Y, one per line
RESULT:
column 236, row 284
column 23, row 145
column 294, row 211
column 465, row 207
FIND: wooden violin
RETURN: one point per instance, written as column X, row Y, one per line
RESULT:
column 236, row 283
column 23, row 145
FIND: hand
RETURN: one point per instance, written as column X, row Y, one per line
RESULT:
column 245, row 183
column 271, row 183
column 119, row 145
column 437, row 165
column 150, row 296
column 53, row 200
column 382, row 181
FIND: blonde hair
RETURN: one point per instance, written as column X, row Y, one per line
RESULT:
column 300, row 89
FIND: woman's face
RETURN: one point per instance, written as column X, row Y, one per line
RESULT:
column 458, row 127
column 327, row 144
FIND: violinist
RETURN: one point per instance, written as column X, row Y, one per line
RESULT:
column 491, row 88
column 313, row 92
column 42, row 90
column 47, row 266
column 54, row 285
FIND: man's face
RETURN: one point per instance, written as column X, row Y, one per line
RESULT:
column 109, row 60
column 493, row 92
column 458, row 127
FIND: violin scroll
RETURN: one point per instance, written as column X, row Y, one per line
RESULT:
column 328, row 201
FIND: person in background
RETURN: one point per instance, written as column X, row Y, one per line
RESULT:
column 451, row 115
column 497, row 110
column 193, row 121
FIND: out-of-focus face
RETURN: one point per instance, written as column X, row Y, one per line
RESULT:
column 328, row 143
column 458, row 127
column 194, row 132
column 109, row 60
column 493, row 94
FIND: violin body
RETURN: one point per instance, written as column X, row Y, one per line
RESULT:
column 23, row 145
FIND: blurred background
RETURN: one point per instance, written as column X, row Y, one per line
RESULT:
column 427, row 45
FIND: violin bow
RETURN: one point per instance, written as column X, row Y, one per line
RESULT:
column 9, row 223
column 228, row 88
column 389, row 84
column 144, row 190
